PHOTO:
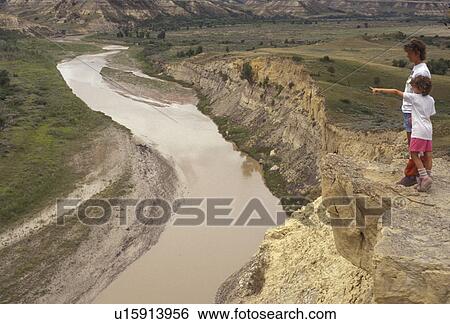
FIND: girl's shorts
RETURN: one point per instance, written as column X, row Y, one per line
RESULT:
column 420, row 145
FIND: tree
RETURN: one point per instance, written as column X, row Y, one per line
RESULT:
column 227, row 49
column 4, row 78
column 247, row 72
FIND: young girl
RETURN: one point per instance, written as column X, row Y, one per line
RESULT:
column 422, row 105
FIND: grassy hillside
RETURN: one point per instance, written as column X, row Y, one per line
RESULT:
column 42, row 125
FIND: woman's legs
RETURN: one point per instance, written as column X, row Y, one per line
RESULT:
column 428, row 161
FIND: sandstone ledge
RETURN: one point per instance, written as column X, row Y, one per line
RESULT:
column 410, row 259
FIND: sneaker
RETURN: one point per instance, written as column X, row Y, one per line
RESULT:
column 425, row 184
column 408, row 181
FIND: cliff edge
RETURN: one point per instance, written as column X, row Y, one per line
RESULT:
column 332, row 250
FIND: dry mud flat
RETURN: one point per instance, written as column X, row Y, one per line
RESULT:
column 45, row 263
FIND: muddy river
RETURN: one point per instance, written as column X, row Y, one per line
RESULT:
column 188, row 264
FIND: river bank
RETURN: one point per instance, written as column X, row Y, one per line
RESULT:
column 39, row 257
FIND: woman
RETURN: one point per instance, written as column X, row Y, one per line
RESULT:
column 416, row 51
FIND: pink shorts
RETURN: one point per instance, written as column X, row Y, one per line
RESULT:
column 420, row 145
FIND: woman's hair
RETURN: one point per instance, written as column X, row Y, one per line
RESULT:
column 423, row 84
column 418, row 47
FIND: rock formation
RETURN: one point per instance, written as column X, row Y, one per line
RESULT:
column 100, row 15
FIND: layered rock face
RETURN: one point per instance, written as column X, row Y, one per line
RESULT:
column 377, row 7
column 98, row 15
column 281, row 112
column 400, row 254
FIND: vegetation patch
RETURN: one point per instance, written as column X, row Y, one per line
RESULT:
column 39, row 132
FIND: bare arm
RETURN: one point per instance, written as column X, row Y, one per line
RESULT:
column 387, row 91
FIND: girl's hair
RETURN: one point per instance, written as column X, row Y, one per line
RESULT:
column 423, row 84
column 417, row 46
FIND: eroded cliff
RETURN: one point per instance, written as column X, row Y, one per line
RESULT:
column 281, row 118
column 277, row 114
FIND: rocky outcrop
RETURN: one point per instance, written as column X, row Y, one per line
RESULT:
column 298, row 263
column 407, row 248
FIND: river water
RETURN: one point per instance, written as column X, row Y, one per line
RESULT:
column 188, row 264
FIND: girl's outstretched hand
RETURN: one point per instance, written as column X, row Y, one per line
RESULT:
column 374, row 90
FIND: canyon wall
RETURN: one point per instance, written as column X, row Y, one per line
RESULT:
column 398, row 255
column 284, row 116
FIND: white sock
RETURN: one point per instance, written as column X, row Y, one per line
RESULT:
column 423, row 173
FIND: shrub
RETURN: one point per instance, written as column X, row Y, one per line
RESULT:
column 4, row 78
column 162, row 35
column 400, row 63
column 297, row 59
column 439, row 67
column 326, row 59
column 331, row 69
column 376, row 81
column 247, row 72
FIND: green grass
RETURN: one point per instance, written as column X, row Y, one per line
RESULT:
column 45, row 126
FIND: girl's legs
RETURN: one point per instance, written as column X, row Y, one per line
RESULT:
column 425, row 180
column 417, row 160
